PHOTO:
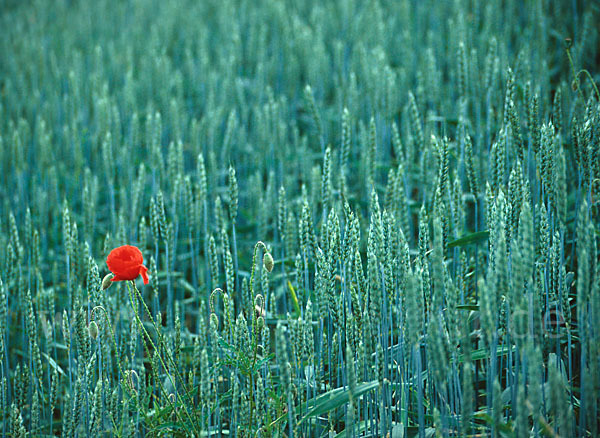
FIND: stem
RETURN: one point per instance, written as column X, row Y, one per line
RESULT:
column 256, row 334
column 252, row 403
column 161, row 340
column 576, row 76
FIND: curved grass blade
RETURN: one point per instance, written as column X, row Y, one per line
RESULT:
column 470, row 239
column 336, row 398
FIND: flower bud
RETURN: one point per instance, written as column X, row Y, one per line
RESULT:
column 93, row 330
column 106, row 281
column 268, row 261
column 134, row 378
column 214, row 321
column 259, row 306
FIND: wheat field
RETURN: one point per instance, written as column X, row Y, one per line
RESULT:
column 360, row 218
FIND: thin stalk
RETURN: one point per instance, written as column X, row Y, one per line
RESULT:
column 149, row 340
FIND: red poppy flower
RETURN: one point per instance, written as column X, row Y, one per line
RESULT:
column 126, row 263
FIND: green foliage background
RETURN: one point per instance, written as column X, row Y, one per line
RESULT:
column 422, row 179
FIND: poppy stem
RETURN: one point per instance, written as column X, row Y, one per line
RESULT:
column 162, row 341
column 147, row 341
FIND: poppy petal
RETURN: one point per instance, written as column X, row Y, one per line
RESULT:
column 144, row 274
column 125, row 262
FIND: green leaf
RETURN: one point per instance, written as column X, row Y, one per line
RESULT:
column 468, row 307
column 57, row 345
column 336, row 398
column 484, row 353
column 224, row 344
column 171, row 425
column 187, row 287
column 258, row 365
column 53, row 364
column 362, row 426
column 470, row 239
column 294, row 298
column 413, row 431
column 489, row 420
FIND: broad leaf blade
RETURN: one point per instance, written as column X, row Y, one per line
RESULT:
column 473, row 307
column 470, row 239
column 484, row 353
column 336, row 398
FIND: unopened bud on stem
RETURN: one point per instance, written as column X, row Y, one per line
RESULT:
column 93, row 330
column 106, row 281
column 268, row 261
